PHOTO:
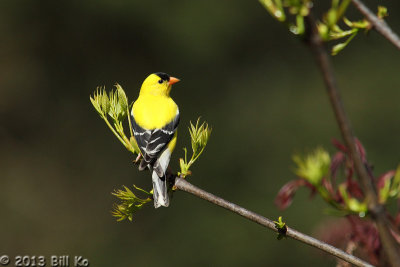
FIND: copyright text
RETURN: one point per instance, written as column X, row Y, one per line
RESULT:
column 40, row 261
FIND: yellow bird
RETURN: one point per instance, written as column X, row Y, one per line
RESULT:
column 155, row 119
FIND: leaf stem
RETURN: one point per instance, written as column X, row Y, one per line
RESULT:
column 342, row 9
column 114, row 131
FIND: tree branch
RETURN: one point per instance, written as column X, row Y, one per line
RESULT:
column 379, row 24
column 377, row 211
column 184, row 185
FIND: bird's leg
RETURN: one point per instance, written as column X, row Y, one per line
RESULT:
column 137, row 158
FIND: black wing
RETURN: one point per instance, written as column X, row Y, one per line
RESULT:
column 152, row 142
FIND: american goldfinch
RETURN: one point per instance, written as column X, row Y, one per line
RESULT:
column 155, row 119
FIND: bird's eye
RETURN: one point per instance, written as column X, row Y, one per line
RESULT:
column 160, row 81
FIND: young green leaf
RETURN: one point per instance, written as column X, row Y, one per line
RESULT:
column 281, row 227
column 395, row 188
column 339, row 47
column 122, row 102
column 97, row 100
column 314, row 166
column 199, row 136
column 130, row 203
column 115, row 105
column 382, row 12
column 105, row 101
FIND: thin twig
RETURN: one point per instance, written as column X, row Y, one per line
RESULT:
column 377, row 211
column 184, row 185
column 379, row 24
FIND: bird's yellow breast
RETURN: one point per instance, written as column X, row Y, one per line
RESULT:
column 154, row 111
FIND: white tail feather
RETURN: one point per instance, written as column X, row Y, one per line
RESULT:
column 160, row 188
column 160, row 191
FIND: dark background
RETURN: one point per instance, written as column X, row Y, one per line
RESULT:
column 243, row 72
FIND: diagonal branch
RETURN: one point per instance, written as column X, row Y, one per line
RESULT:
column 379, row 24
column 184, row 185
column 377, row 211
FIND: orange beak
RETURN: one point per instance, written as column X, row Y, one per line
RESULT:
column 173, row 80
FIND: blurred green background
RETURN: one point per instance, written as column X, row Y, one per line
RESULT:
column 243, row 72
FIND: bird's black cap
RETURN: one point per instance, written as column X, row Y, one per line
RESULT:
column 163, row 76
